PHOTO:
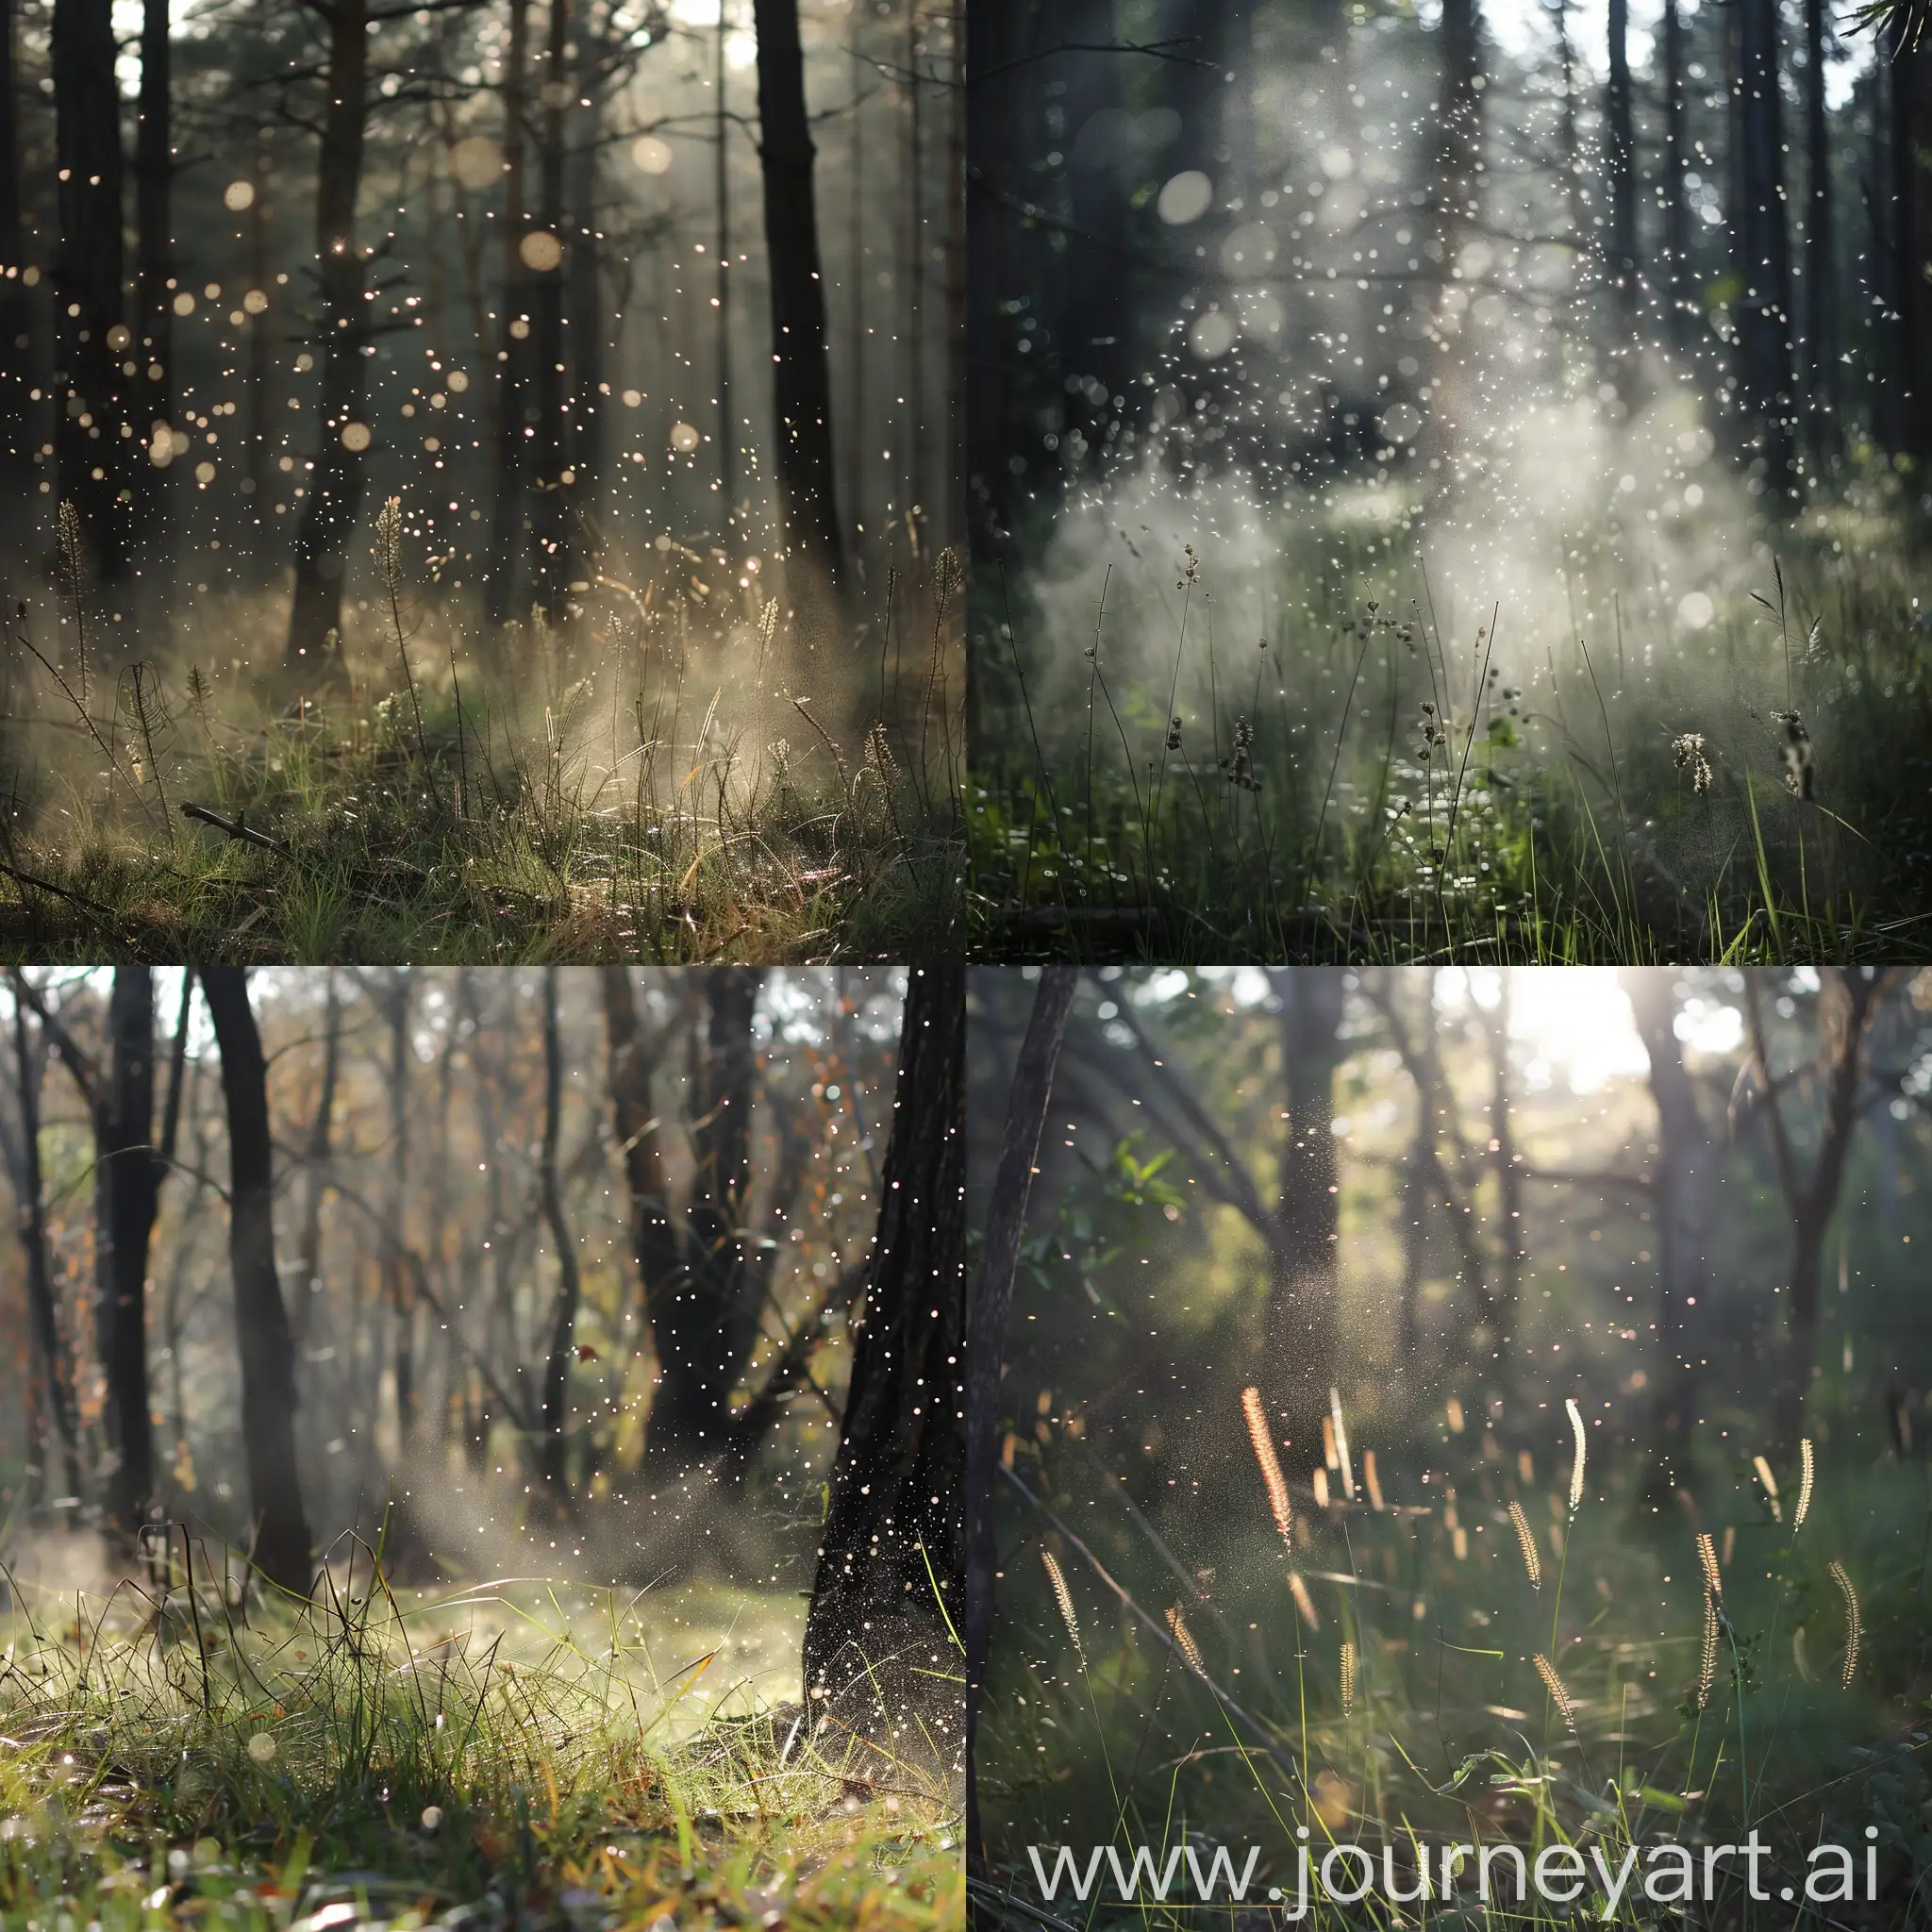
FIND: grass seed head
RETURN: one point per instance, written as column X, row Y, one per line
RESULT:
column 1264, row 1453
column 1854, row 1630
column 1347, row 1679
column 1526, row 1538
column 1064, row 1598
column 1582, row 1454
column 1560, row 1696
column 1184, row 1641
column 1769, row 1484
column 1803, row 1484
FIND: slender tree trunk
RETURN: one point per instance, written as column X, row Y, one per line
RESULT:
column 892, row 1557
column 318, row 1158
column 17, row 477
column 335, row 485
column 1620, row 159
column 262, row 334
column 801, row 375
column 129, row 1193
column 1027, row 1104
column 1910, row 75
column 262, row 1322
column 550, row 547
column 89, row 337
column 154, row 394
column 1685, row 1160
column 1505, row 1304
column 915, row 282
column 399, row 1282
column 1764, row 305
column 1457, row 198
column 512, row 358
column 1821, row 251
column 50, row 1361
column 1302, row 1335
column 587, row 321
column 721, row 135
column 554, row 1418
column 1677, row 201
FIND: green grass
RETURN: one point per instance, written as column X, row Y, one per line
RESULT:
column 649, row 781
column 1449, row 1731
column 1388, row 781
column 491, row 1757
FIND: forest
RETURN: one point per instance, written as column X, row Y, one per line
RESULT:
column 1449, row 483
column 1456, row 1406
column 479, row 479
column 483, row 1447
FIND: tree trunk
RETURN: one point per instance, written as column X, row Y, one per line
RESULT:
column 262, row 1322
column 1676, row 235
column 550, row 559
column 89, row 334
column 153, row 172
column 1302, row 1333
column 318, row 1158
column 553, row 1424
column 721, row 159
column 1764, row 304
column 399, row 1282
column 49, row 1352
column 17, row 479
column 1684, row 1165
column 892, row 1553
column 335, row 485
column 1456, row 201
column 1910, row 414
column 586, row 294
column 1620, row 159
column 1502, row 1304
column 801, row 375
column 1821, row 250
column 513, row 359
column 127, row 1191
column 261, row 336
column 1027, row 1104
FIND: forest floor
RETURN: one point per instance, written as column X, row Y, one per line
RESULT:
column 1434, row 1671
column 549, row 1757
column 667, row 799
column 1506, row 784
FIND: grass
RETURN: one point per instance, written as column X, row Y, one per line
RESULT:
column 652, row 781
column 1429, row 1691
column 500, row 1755
column 1385, row 781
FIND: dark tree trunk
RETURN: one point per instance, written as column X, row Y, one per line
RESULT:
column 512, row 358
column 129, row 1196
column 154, row 389
column 891, row 1556
column 553, row 1420
column 1821, row 251
column 653, row 1240
column 317, row 1158
column 1685, row 1163
column 1302, row 1339
column 801, row 375
column 335, row 487
column 720, row 160
column 48, row 1349
column 1027, row 1104
column 1764, row 304
column 1620, row 163
column 1911, row 414
column 1457, row 197
column 586, row 292
column 89, row 334
column 1676, row 203
column 550, row 564
column 262, row 1322
column 261, row 333
column 398, row 1279
column 17, row 478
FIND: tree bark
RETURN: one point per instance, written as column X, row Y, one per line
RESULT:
column 89, row 333
column 1821, row 250
column 17, row 478
column 1620, row 158
column 554, row 1425
column 262, row 1322
column 154, row 171
column 1910, row 73
column 1764, row 304
column 1677, row 209
column 1027, row 1104
column 335, row 487
column 318, row 1156
column 1685, row 1162
column 1302, row 1330
column 801, row 375
column 129, row 1196
column 512, row 373
column 892, row 1555
column 550, row 561
column 1457, row 198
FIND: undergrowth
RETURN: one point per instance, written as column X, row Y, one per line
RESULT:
column 1371, row 784
column 643, row 780
column 496, row 1757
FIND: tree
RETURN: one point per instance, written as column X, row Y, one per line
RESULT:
column 335, row 488
column 1764, row 263
column 1821, row 248
column 499, row 589
column 1027, row 1104
column 153, row 175
column 1683, row 1174
column 891, row 1553
column 1456, row 204
column 543, row 254
column 1675, row 192
column 553, row 1420
column 262, row 1322
column 1909, row 70
column 801, row 373
column 89, row 333
column 1620, row 158
column 16, row 314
